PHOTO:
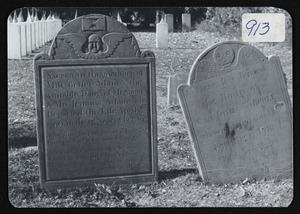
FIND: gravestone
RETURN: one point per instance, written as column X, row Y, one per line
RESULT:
column 186, row 22
column 43, row 24
column 33, row 34
column 173, row 83
column 170, row 21
column 162, row 35
column 23, row 38
column 96, row 106
column 239, row 115
column 37, row 31
column 14, row 41
column 28, row 26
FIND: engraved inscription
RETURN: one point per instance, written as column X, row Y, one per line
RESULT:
column 238, row 113
column 89, row 114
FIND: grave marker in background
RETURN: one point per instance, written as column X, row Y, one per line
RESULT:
column 43, row 26
column 186, row 22
column 173, row 83
column 13, row 41
column 170, row 21
column 239, row 114
column 28, row 25
column 23, row 38
column 37, row 31
column 162, row 34
column 96, row 106
column 33, row 33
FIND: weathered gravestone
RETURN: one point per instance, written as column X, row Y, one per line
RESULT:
column 96, row 106
column 162, row 35
column 170, row 21
column 186, row 22
column 173, row 83
column 238, row 113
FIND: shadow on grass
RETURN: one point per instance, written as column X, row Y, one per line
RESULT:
column 163, row 175
column 22, row 134
column 22, row 142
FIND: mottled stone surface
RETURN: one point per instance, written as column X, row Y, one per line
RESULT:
column 96, row 106
column 239, row 114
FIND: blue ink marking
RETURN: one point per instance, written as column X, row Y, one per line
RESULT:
column 256, row 29
column 251, row 27
column 266, row 25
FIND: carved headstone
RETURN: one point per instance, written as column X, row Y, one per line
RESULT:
column 14, row 50
column 28, row 28
column 162, row 35
column 239, row 115
column 173, row 83
column 23, row 38
column 96, row 106
column 170, row 21
column 186, row 22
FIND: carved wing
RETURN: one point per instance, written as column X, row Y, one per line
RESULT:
column 112, row 41
column 249, row 56
column 75, row 39
column 202, row 70
column 244, row 54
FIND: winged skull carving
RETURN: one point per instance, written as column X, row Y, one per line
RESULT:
column 93, row 46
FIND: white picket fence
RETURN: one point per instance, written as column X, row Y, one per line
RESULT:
column 25, row 36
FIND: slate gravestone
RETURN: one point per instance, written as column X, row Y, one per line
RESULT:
column 238, row 112
column 96, row 106
column 173, row 83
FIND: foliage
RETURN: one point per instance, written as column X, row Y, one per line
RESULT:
column 227, row 20
column 174, row 189
column 197, row 13
column 138, row 15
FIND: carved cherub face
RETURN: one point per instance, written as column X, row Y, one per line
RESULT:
column 94, row 43
column 223, row 55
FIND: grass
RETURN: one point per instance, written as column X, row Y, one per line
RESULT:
column 179, row 183
column 175, row 188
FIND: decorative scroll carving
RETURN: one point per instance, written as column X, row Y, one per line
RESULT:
column 42, row 56
column 147, row 54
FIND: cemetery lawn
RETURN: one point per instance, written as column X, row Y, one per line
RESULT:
column 179, row 183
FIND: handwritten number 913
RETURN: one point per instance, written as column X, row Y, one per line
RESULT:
column 251, row 25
